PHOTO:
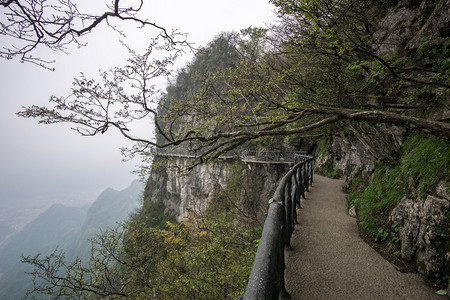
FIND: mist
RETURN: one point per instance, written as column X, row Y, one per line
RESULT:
column 46, row 164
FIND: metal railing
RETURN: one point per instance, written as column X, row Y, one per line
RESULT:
column 263, row 155
column 246, row 155
column 267, row 276
column 184, row 153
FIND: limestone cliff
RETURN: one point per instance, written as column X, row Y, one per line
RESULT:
column 194, row 191
column 351, row 150
column 182, row 193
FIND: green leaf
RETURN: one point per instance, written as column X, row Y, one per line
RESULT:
column 441, row 292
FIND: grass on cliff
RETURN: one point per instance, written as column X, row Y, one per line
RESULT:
column 424, row 161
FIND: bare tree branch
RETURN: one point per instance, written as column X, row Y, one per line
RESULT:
column 55, row 24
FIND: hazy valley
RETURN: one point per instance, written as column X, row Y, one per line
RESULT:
column 60, row 226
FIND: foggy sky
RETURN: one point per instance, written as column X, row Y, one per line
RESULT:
column 42, row 162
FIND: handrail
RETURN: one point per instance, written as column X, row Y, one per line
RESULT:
column 265, row 155
column 246, row 155
column 266, row 280
column 184, row 153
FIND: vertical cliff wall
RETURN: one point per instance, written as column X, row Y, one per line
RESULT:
column 194, row 191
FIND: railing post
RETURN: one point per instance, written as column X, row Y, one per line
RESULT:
column 292, row 197
column 296, row 201
column 288, row 209
column 302, row 180
column 305, row 178
column 299, row 189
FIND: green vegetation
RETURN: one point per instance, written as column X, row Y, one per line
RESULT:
column 438, row 54
column 424, row 162
column 427, row 160
column 328, row 170
column 209, row 259
column 210, row 255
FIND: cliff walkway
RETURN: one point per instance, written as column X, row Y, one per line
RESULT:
column 329, row 260
column 247, row 156
column 310, row 248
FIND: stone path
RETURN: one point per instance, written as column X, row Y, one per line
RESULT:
column 330, row 261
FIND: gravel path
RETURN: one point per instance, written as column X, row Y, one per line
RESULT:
column 330, row 261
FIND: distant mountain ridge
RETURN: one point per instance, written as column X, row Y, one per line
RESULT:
column 67, row 228
column 110, row 208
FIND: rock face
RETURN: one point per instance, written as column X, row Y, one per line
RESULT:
column 355, row 153
column 182, row 193
column 423, row 221
column 436, row 28
column 412, row 21
column 259, row 184
column 423, row 227
column 194, row 191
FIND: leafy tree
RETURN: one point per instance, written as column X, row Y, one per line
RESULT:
column 348, row 32
column 207, row 258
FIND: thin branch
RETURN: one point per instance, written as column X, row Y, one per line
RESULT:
column 31, row 24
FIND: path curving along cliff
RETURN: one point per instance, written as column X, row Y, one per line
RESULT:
column 329, row 260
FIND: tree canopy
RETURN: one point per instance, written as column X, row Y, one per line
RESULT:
column 320, row 65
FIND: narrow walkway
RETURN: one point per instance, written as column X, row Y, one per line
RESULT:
column 330, row 261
